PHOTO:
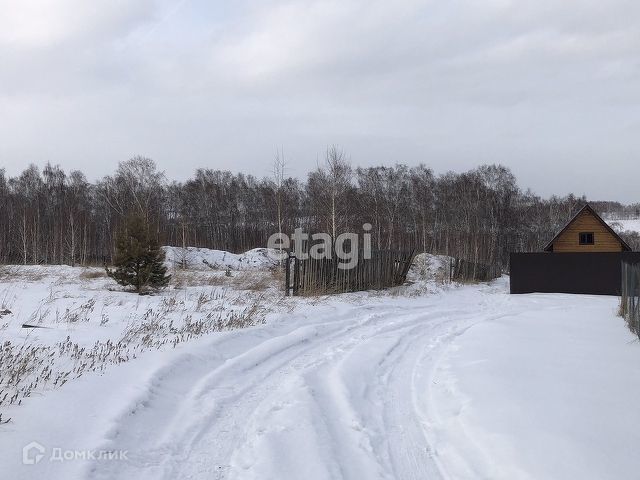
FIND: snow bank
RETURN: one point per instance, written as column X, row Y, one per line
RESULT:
column 541, row 392
column 206, row 259
column 425, row 267
column 428, row 267
column 629, row 225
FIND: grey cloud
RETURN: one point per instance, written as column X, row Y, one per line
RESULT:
column 539, row 86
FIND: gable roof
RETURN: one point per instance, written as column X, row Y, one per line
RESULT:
column 588, row 208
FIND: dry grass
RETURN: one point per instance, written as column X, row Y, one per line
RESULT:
column 179, row 315
column 258, row 281
column 253, row 281
column 185, row 278
column 27, row 368
column 8, row 272
column 15, row 272
column 629, row 317
column 92, row 274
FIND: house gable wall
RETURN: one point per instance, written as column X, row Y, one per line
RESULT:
column 569, row 240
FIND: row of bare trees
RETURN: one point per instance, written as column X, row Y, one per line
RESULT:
column 53, row 217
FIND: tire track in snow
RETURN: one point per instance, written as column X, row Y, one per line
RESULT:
column 167, row 446
column 342, row 396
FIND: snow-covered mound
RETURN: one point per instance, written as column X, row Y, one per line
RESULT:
column 194, row 258
column 430, row 268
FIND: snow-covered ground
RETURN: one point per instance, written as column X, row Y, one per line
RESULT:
column 58, row 323
column 423, row 381
column 627, row 225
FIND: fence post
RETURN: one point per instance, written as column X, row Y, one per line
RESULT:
column 296, row 275
column 450, row 269
column 287, row 275
column 636, row 299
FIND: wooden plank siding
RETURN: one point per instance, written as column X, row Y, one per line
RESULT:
column 603, row 241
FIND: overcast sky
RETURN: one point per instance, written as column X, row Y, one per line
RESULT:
column 550, row 88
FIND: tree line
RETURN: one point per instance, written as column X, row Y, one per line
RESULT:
column 50, row 216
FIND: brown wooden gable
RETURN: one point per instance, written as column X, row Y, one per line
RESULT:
column 587, row 221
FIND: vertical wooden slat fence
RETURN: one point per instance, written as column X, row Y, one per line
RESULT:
column 466, row 271
column 385, row 268
column 630, row 297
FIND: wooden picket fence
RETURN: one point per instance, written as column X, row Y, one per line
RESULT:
column 466, row 271
column 385, row 268
column 630, row 296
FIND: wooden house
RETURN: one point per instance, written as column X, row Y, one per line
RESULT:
column 587, row 232
column 584, row 257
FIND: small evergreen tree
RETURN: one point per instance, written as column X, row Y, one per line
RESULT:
column 139, row 260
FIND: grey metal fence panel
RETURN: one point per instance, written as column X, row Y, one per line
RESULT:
column 583, row 273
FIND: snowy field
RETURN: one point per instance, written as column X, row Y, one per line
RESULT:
column 222, row 378
column 626, row 225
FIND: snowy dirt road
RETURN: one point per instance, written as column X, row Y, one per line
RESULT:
column 357, row 389
column 342, row 395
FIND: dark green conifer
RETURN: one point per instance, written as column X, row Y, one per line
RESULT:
column 139, row 260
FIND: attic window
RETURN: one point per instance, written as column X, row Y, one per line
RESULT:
column 586, row 238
